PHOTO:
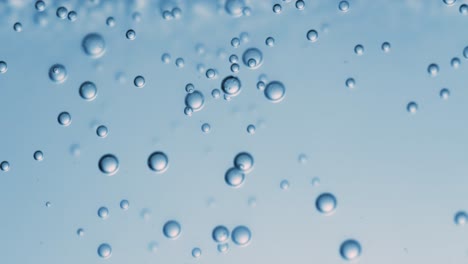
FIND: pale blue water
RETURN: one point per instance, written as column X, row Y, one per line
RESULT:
column 234, row 132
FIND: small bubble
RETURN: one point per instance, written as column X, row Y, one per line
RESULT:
column 241, row 235
column 48, row 204
column 180, row 63
column 88, row 91
column 252, row 58
column 136, row 16
column 58, row 73
column 18, row 27
column 5, row 166
column 449, row 2
column 102, row 131
column 38, row 155
column 108, row 164
column 235, row 42
column 300, row 4
column 312, row 35
column 131, row 34
column 275, row 91
column 103, row 212
column 223, row 248
column 80, row 232
column 460, row 218
column 64, row 119
column 104, row 251
column 62, row 12
column 188, row 111
column 206, row 128
column 176, row 12
column 246, row 11
column 455, row 63
column 350, row 250
column 93, row 45
column 433, row 69
column 261, row 85
column 244, row 162
column 343, row 6
column 231, row 86
column 220, row 234
column 233, row 58
column 158, row 162
column 326, row 203
column 315, row 181
column 72, row 16
column 444, row 93
column 270, row 41
column 386, row 47
column 167, row 15
column 277, row 8
column 153, row 246
column 234, row 7
column 124, row 204
column 195, row 100
column 463, row 9
column 110, row 21
column 3, row 67
column 252, row 201
column 244, row 36
column 350, row 83
column 210, row 74
column 359, row 49
column 284, row 185
column 216, row 93
column 145, row 214
column 235, row 67
column 251, row 129
column 166, row 58
column 412, row 107
column 139, row 81
column 196, row 252
column 189, row 88
column 234, row 177
column 172, row 229
column 302, row 158
column 40, row 5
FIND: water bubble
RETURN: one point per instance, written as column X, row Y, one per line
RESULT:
column 40, row 5
column 210, row 74
column 275, row 91
column 252, row 58
column 153, row 246
column 465, row 52
column 196, row 252
column 261, row 85
column 244, row 162
column 244, row 36
column 460, row 218
column 18, row 27
column 302, row 158
column 3, row 67
column 58, row 73
column 195, row 100
column 189, row 88
column 277, row 8
column 343, row 6
column 241, row 235
column 235, row 67
column 246, row 11
column 234, row 177
column 463, row 9
column 284, row 185
column 139, row 81
column 350, row 249
column 206, row 128
column 235, row 42
column 166, row 58
column 444, row 93
column 176, row 12
column 326, row 203
column 315, row 181
column 216, row 93
column 131, row 34
column 5, row 166
column 62, row 12
column 251, row 129
column 234, row 7
column 412, row 107
column 102, row 131
column 270, row 41
column 124, row 204
column 350, row 83
column 450, row 2
column 359, row 49
column 455, row 63
column 312, row 35
column 72, row 16
column 93, row 45
column 110, row 21
column 158, row 162
column 88, row 91
column 223, row 248
column 220, row 234
column 48, row 204
column 167, row 15
column 80, row 232
column 433, row 69
column 300, row 4
column 64, row 119
column 103, row 212
column 188, row 111
column 252, row 201
column 231, row 85
column 136, row 16
column 233, row 58
column 172, row 229
column 145, row 214
column 38, row 155
column 386, row 47
column 108, row 164
column 104, row 251
column 180, row 63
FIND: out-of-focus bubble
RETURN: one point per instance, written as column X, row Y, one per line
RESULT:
column 455, row 63
column 326, row 203
column 5, row 166
column 110, row 21
column 412, row 107
column 284, row 185
column 359, row 49
column 433, row 69
column 3, row 67
column 196, row 252
column 350, row 83
column 180, row 63
column 343, row 6
column 18, row 27
column 124, row 204
column 275, row 91
column 72, row 16
column 166, row 58
column 234, row 7
column 444, row 93
column 460, row 218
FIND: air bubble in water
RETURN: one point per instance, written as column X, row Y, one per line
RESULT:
column 64, row 119
column 196, row 252
column 359, row 49
column 48, row 204
column 233, row 58
column 350, row 249
column 433, row 69
column 158, row 162
column 195, row 100
column 251, row 129
column 244, row 162
column 5, row 166
column 231, row 85
column 180, row 63
column 455, row 63
column 103, row 212
column 343, row 6
column 235, row 67
column 102, row 131
column 326, row 203
column 350, row 83
column 234, row 177
column 235, row 42
column 241, row 235
column 277, row 8
column 450, row 2
column 252, row 58
column 38, row 155
column 210, row 74
column 444, row 93
column 223, row 248
column 275, row 91
column 110, row 21
column 386, row 47
column 300, row 4
column 18, row 27
column 72, row 16
column 94, row 45
column 62, row 12
column 139, row 81
column 460, row 218
column 220, row 234
column 312, row 35
column 172, row 229
column 40, row 5
column 270, row 41
column 80, row 232
column 206, row 128
column 104, row 251
column 58, row 73
column 284, row 185
column 234, row 7
column 108, row 164
column 412, row 107
column 463, row 9
column 131, row 34
column 88, row 91
column 3, row 67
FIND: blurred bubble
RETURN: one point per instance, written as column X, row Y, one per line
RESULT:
column 386, row 47
column 234, row 7
column 343, row 6
column 3, row 67
column 412, row 107
column 18, row 27
column 326, row 203
column 433, row 69
column 216, row 93
column 180, row 63
column 223, row 248
column 449, row 2
column 463, row 9
column 124, row 204
column 350, row 83
column 166, row 58
column 72, row 16
column 284, row 185
column 110, row 21
column 359, row 49
column 444, row 93
column 461, row 217
column 40, row 5
column 80, row 232
column 455, row 63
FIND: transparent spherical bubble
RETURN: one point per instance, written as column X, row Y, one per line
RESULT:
column 235, row 68
column 251, row 129
column 275, row 91
column 206, row 128
column 412, row 107
column 136, row 16
column 350, row 83
column 302, row 158
column 463, row 9
column 104, row 251
column 300, row 4
column 38, row 155
column 315, row 181
column 449, row 2
column 108, row 164
column 359, row 49
column 3, row 67
column 48, row 204
column 103, row 212
column 385, row 47
column 110, row 21
column 350, row 250
column 270, row 41
column 40, row 5
column 139, row 81
column 261, row 85
column 62, row 12
column 189, row 88
column 220, row 234
column 223, row 248
column 247, row 11
column 153, row 246
column 124, row 204
column 72, row 16
column 18, row 27
column 88, row 91
column 172, row 229
column 241, row 235
column 93, row 45
column 444, row 93
column 433, row 69
column 235, row 42
column 196, row 252
column 80, row 232
column 284, row 185
column 233, row 58
column 180, row 63
column 215, row 93
column 158, row 162
column 195, row 100
column 211, row 74
column 58, row 73
column 234, row 177
column 460, row 218
column 252, row 58
column 102, row 131
column 5, row 166
column 188, row 111
column 234, row 7
column 64, row 119
column 231, row 85
column 277, row 8
column 455, row 63
column 312, row 35
column 131, row 34
column 166, row 58
column 145, row 214
column 244, row 161
column 244, row 36
column 343, row 6
column 326, row 203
